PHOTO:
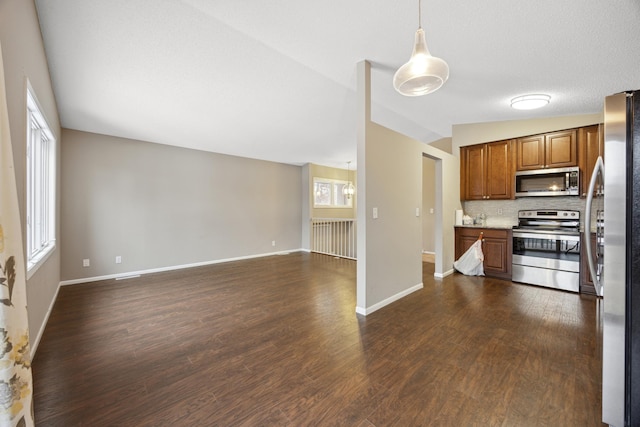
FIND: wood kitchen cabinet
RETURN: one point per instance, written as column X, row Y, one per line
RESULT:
column 590, row 146
column 550, row 150
column 486, row 171
column 496, row 247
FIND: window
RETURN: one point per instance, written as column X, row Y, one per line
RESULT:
column 328, row 193
column 41, row 185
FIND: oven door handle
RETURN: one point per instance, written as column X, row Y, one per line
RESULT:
column 597, row 281
column 520, row 234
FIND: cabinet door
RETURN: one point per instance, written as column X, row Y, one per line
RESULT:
column 499, row 176
column 530, row 153
column 496, row 248
column 495, row 256
column 463, row 243
column 474, row 168
column 560, row 149
column 590, row 146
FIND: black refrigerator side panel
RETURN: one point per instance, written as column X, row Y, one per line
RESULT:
column 633, row 263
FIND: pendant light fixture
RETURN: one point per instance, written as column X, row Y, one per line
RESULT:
column 423, row 73
column 348, row 190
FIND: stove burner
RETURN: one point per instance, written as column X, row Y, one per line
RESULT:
column 548, row 220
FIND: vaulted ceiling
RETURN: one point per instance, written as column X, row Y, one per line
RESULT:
column 275, row 80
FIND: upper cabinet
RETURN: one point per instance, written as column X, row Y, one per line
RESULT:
column 486, row 171
column 551, row 150
column 590, row 146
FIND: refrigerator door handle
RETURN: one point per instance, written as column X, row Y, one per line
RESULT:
column 597, row 281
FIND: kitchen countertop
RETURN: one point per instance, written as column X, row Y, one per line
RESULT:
column 489, row 226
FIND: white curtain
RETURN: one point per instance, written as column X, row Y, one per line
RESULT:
column 16, row 385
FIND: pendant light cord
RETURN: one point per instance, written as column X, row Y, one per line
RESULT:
column 419, row 14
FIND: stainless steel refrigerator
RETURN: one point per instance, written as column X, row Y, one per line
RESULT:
column 615, row 266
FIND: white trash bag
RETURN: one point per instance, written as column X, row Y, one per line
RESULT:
column 470, row 263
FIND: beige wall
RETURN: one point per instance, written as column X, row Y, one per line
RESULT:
column 394, row 239
column 309, row 171
column 24, row 58
column 390, row 179
column 428, row 203
column 331, row 173
column 159, row 206
column 477, row 133
column 444, row 144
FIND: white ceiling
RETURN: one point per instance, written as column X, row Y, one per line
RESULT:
column 275, row 80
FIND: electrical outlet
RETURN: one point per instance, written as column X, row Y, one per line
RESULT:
column 86, row 262
column 499, row 211
column 118, row 259
column 273, row 243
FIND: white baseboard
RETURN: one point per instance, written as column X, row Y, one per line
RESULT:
column 368, row 310
column 443, row 275
column 428, row 253
column 36, row 342
column 169, row 268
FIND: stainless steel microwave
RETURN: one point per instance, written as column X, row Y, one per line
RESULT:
column 548, row 182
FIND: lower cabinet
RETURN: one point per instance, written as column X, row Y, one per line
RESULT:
column 496, row 248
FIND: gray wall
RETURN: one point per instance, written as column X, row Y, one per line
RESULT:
column 24, row 58
column 306, row 207
column 159, row 206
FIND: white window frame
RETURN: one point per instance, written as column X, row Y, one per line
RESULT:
column 41, row 186
column 335, row 194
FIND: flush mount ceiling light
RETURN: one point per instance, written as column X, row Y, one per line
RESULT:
column 530, row 102
column 423, row 73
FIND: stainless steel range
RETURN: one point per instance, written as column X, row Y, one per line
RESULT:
column 546, row 249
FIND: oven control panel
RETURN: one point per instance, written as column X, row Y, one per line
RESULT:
column 549, row 214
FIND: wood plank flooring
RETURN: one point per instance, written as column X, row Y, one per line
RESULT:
column 275, row 341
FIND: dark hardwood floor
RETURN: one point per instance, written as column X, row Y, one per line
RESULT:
column 276, row 341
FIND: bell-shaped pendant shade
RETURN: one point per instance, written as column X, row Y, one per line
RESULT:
column 423, row 73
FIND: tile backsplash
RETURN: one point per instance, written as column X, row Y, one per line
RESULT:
column 505, row 212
